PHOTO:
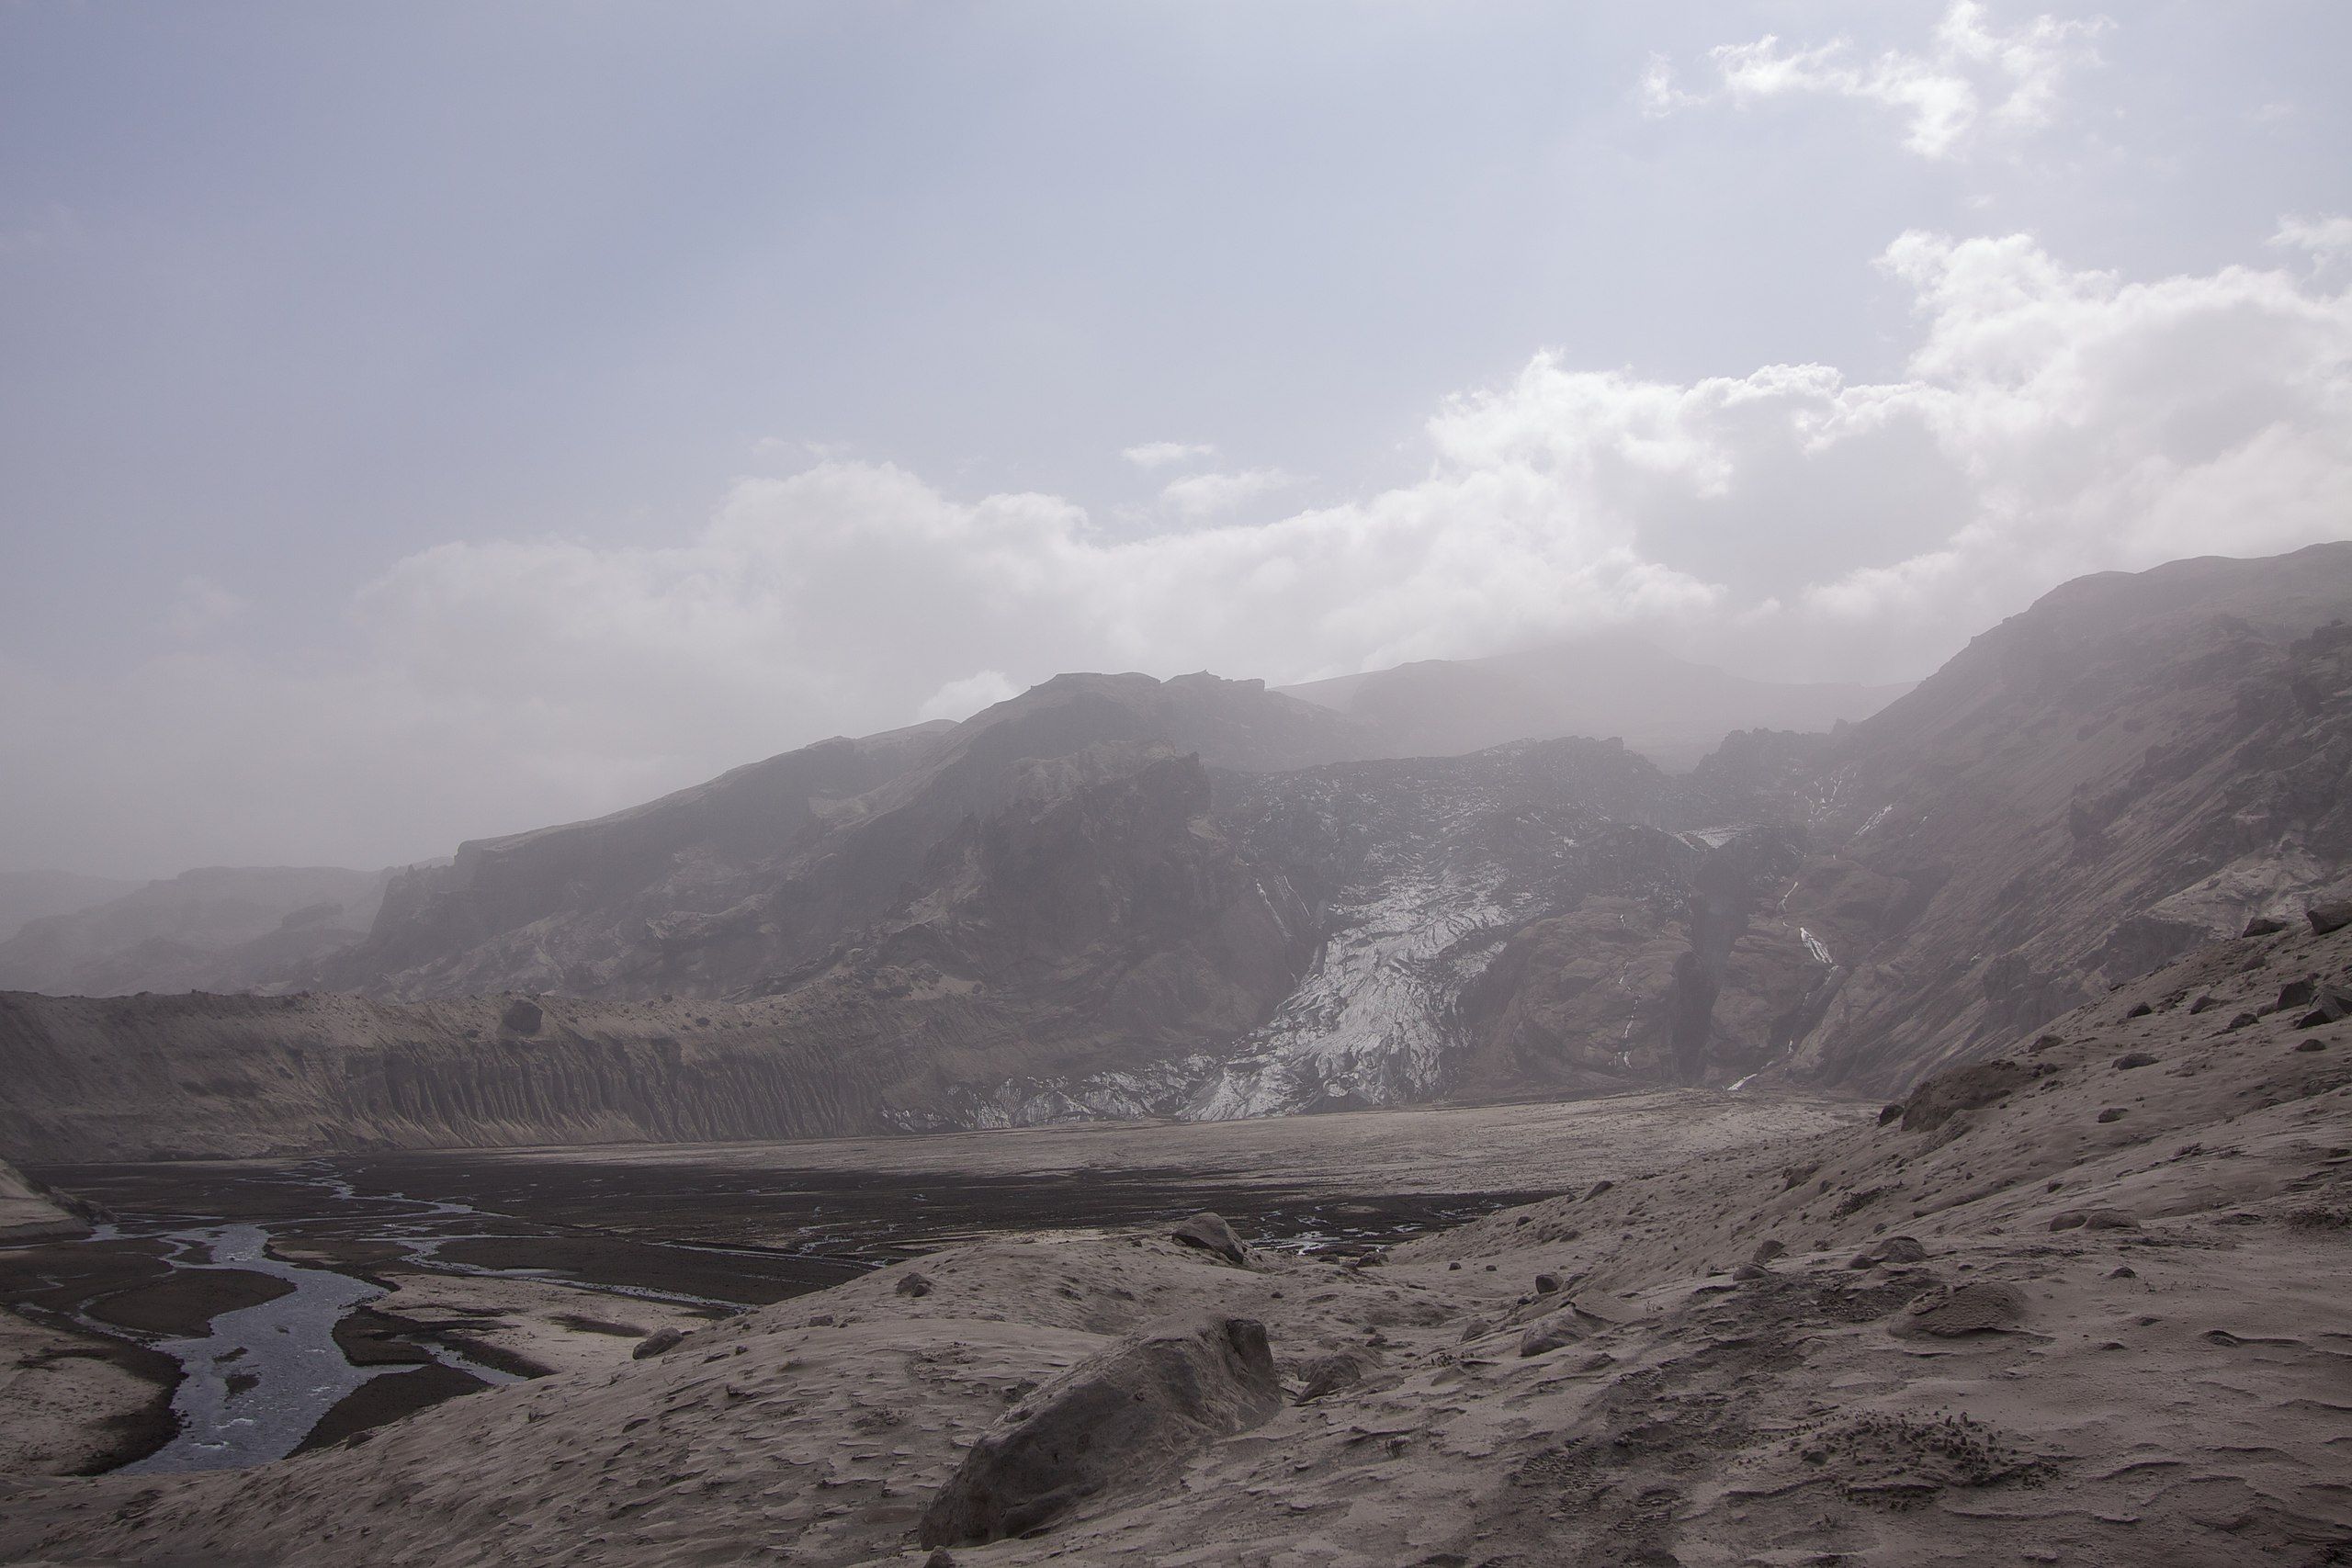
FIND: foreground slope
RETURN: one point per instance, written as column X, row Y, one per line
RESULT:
column 2084, row 1306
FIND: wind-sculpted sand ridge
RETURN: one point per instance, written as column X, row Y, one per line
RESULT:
column 2019, row 1329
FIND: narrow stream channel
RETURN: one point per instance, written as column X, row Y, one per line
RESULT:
column 257, row 1384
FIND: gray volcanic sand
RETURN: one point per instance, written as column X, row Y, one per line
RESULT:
column 2171, row 1385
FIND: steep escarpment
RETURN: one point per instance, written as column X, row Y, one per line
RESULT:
column 2138, row 764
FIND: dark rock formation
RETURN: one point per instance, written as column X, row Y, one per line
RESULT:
column 1965, row 1088
column 1211, row 1234
column 1123, row 1419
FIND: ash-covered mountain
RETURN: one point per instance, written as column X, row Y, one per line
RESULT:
column 1118, row 896
column 217, row 928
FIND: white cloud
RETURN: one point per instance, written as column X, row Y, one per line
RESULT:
column 1161, row 454
column 201, row 605
column 959, row 700
column 2328, row 238
column 2049, row 420
column 1199, row 496
column 1969, row 73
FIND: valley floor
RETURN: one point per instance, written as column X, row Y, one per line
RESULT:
column 2084, row 1308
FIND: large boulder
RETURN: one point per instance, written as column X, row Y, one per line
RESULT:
column 1210, row 1233
column 1125, row 1417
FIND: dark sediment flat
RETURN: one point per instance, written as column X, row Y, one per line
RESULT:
column 184, row 1303
column 382, row 1400
column 370, row 1338
column 746, row 1278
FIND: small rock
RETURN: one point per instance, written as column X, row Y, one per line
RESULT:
column 2329, row 917
column 2123, row 1271
column 2241, row 1022
column 1767, row 1249
column 2295, row 994
column 2263, row 925
column 2094, row 1220
column 913, row 1284
column 1211, row 1234
column 1328, row 1375
column 822, row 1320
column 1476, row 1328
column 1597, row 1188
column 1454, row 1267
column 2332, row 1006
column 2047, row 1041
column 1893, row 1112
column 2142, row 1010
column 2312, row 1046
column 2204, row 1004
column 653, row 1343
column 2113, row 1114
column 1746, row 1271
column 1901, row 1249
column 942, row 1558
column 1565, row 1327
column 1547, row 1284
column 2130, row 1059
column 1981, row 1306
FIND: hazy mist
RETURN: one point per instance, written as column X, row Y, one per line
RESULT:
column 434, row 423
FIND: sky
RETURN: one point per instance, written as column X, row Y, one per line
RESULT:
column 427, row 422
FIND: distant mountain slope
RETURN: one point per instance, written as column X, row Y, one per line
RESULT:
column 1669, row 709
column 220, row 928
column 725, row 887
column 36, row 895
column 1091, row 901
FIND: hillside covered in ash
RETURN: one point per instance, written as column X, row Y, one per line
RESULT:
column 1118, row 896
